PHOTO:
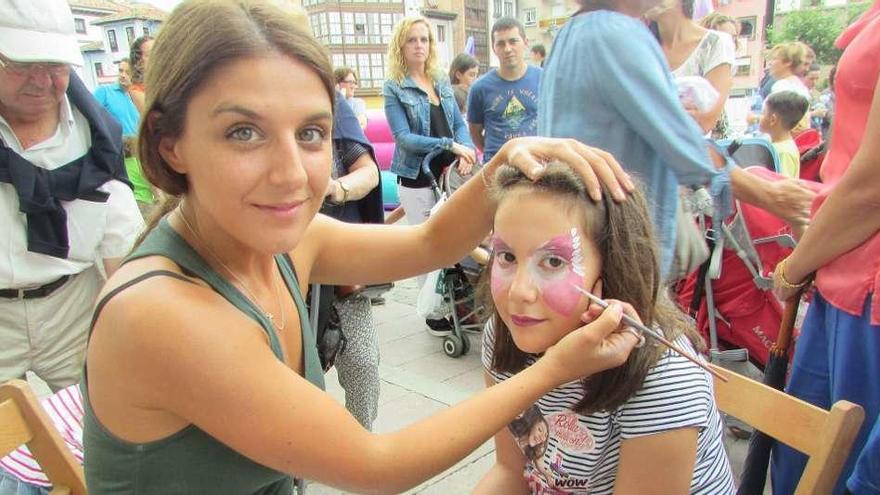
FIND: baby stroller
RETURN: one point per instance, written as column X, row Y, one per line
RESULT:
column 455, row 284
column 812, row 150
column 730, row 295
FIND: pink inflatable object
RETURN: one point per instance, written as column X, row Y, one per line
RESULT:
column 380, row 136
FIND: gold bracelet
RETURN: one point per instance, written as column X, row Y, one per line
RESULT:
column 780, row 270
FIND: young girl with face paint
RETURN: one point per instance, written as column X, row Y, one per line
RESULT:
column 648, row 426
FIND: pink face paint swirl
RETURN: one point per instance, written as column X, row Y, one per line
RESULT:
column 558, row 289
column 557, row 284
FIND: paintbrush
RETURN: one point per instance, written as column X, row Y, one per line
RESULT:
column 632, row 322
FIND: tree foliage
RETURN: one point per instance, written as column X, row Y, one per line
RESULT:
column 816, row 27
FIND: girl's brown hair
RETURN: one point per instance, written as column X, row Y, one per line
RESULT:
column 630, row 272
column 397, row 68
column 198, row 38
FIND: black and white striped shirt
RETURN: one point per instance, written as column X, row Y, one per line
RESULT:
column 582, row 452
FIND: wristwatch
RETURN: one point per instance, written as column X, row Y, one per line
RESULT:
column 345, row 190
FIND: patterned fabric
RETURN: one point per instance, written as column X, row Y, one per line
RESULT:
column 505, row 109
column 716, row 48
column 65, row 409
column 358, row 364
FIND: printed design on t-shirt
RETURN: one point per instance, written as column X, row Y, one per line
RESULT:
column 512, row 106
column 545, row 469
column 514, row 113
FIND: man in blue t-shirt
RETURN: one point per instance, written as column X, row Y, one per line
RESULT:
column 503, row 104
column 115, row 99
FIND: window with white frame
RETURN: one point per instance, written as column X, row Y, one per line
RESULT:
column 369, row 67
column 496, row 8
column 508, row 9
column 747, row 27
column 80, row 25
column 743, row 66
column 111, row 37
column 530, row 16
column 353, row 28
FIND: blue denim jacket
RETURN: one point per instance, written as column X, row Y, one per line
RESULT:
column 409, row 116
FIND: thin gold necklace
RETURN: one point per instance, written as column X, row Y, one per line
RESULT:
column 244, row 286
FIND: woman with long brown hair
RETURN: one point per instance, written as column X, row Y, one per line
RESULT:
column 202, row 374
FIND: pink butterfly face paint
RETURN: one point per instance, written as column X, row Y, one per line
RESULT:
column 554, row 268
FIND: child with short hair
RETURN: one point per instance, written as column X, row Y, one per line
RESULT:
column 648, row 426
column 782, row 112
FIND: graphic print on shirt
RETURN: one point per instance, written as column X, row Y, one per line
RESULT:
column 545, row 472
column 515, row 119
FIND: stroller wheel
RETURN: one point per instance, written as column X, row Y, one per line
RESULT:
column 466, row 344
column 453, row 346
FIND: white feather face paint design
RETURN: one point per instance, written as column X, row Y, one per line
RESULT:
column 577, row 253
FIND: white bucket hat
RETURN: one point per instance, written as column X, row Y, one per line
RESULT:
column 38, row 31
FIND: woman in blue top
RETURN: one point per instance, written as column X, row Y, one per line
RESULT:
column 607, row 83
column 423, row 115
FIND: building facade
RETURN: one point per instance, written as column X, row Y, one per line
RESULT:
column 752, row 17
column 357, row 34
column 105, row 30
column 91, row 36
column 544, row 18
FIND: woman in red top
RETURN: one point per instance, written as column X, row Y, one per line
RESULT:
column 838, row 352
column 140, row 53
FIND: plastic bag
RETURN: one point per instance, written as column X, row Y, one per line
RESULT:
column 696, row 91
column 430, row 301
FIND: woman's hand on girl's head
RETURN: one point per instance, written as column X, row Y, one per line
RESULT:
column 600, row 345
column 594, row 165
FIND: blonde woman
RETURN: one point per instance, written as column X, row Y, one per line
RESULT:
column 421, row 110
column 785, row 59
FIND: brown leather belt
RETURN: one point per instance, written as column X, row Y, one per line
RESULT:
column 41, row 291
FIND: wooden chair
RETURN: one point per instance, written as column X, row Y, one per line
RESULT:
column 824, row 436
column 23, row 421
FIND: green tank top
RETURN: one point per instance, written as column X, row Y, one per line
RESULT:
column 189, row 461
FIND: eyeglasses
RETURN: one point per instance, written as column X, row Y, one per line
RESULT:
column 350, row 81
column 25, row 68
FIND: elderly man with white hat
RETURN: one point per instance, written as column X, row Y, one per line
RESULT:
column 66, row 205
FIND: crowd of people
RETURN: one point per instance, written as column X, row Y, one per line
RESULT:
column 193, row 196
